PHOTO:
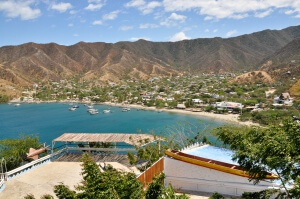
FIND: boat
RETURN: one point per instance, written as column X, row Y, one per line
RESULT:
column 90, row 106
column 93, row 111
column 17, row 104
column 75, row 106
column 72, row 109
column 125, row 109
column 106, row 111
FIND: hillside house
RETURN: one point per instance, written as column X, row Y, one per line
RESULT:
column 228, row 105
column 283, row 99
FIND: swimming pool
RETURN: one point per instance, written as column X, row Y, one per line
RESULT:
column 212, row 152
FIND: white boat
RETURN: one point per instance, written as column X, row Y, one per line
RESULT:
column 72, row 109
column 17, row 104
column 125, row 109
column 106, row 111
column 90, row 106
column 93, row 111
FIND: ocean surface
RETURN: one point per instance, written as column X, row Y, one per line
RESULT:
column 50, row 120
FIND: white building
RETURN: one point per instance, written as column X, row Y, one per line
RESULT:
column 187, row 171
column 229, row 105
column 283, row 99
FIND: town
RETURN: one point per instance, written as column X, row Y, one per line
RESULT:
column 216, row 93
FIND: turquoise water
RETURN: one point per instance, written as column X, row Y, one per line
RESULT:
column 49, row 121
column 214, row 153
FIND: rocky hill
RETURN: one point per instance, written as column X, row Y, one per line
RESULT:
column 30, row 62
column 285, row 62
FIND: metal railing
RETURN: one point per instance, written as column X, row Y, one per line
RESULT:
column 33, row 164
column 100, row 149
column 1, row 184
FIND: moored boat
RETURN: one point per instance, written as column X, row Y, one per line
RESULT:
column 72, row 109
column 106, row 111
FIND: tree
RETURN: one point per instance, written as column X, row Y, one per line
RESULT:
column 96, row 184
column 14, row 150
column 157, row 190
column 275, row 148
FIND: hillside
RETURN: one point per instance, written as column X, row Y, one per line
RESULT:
column 30, row 62
column 254, row 77
column 285, row 62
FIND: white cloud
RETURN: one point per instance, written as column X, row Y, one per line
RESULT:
column 236, row 9
column 135, row 3
column 22, row 9
column 179, row 36
column 97, row 22
column 94, row 5
column 231, row 33
column 70, row 25
column 144, row 7
column 138, row 38
column 111, row 16
column 263, row 14
column 289, row 12
column 173, row 20
column 75, row 35
column 125, row 28
column 215, row 30
column 148, row 25
column 73, row 12
column 206, row 30
column 61, row 7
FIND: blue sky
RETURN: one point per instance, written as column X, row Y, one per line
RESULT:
column 70, row 21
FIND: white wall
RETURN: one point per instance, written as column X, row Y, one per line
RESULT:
column 185, row 176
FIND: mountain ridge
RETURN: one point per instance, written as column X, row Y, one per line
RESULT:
column 30, row 62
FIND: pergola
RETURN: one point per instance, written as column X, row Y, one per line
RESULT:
column 131, row 139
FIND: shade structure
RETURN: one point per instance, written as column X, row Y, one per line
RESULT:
column 131, row 139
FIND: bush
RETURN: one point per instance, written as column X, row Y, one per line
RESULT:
column 216, row 195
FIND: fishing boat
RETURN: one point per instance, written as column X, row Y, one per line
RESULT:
column 93, row 111
column 106, row 111
column 72, row 109
column 125, row 109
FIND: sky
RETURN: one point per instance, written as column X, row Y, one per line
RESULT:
column 68, row 22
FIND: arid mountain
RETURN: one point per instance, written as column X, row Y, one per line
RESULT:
column 285, row 62
column 254, row 77
column 30, row 62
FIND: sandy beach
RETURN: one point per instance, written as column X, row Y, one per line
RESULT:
column 232, row 118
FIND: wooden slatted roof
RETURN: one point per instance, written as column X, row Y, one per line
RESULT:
column 132, row 139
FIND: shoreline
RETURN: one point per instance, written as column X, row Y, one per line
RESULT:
column 231, row 118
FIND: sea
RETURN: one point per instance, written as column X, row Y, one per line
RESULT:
column 50, row 120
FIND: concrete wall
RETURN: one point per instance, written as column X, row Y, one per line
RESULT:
column 185, row 176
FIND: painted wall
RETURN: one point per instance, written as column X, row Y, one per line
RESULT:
column 185, row 176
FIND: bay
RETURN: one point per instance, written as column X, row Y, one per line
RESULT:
column 50, row 120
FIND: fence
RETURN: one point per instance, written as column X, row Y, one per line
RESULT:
column 156, row 169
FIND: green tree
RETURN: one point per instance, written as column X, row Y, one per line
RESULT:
column 108, row 184
column 157, row 190
column 275, row 148
column 14, row 150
